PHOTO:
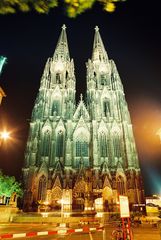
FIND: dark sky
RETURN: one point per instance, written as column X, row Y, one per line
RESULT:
column 132, row 37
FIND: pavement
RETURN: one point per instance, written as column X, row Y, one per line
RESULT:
column 146, row 233
column 143, row 232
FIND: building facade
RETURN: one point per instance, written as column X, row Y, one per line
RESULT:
column 81, row 155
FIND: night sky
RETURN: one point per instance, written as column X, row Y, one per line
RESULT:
column 132, row 37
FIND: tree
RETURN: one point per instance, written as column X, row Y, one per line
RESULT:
column 72, row 7
column 8, row 186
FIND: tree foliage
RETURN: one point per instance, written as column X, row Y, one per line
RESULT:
column 9, row 185
column 72, row 7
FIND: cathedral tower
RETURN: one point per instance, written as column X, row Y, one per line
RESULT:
column 84, row 154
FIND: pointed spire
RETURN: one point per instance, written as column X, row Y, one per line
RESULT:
column 99, row 52
column 62, row 51
column 81, row 97
column 2, row 62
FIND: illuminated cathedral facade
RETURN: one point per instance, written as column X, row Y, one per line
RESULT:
column 81, row 155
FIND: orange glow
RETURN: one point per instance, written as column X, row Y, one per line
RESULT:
column 5, row 135
column 14, row 140
column 146, row 118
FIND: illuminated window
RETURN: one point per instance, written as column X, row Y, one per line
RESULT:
column 81, row 140
column 60, row 144
column 120, row 185
column 81, row 149
column 58, row 78
column 103, row 80
column 78, row 149
column 56, row 107
column 66, row 75
column 46, row 143
column 106, row 107
column 42, row 188
column 117, row 145
column 103, row 145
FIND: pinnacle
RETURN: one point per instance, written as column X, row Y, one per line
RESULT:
column 63, row 27
column 97, row 29
column 81, row 97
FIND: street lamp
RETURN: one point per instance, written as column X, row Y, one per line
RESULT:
column 4, row 136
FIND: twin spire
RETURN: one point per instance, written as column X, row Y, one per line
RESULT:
column 62, row 51
column 99, row 52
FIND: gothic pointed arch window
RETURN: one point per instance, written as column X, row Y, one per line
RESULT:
column 56, row 107
column 82, row 147
column 120, row 185
column 66, row 75
column 60, row 144
column 42, row 187
column 117, row 144
column 103, row 144
column 46, row 143
column 58, row 77
column 106, row 107
column 103, row 79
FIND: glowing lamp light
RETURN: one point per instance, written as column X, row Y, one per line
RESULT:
column 99, row 201
column 46, row 202
column 59, row 66
column 5, row 135
column 99, row 204
column 44, row 214
column 99, row 214
column 66, row 214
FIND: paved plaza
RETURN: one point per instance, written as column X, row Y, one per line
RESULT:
column 143, row 232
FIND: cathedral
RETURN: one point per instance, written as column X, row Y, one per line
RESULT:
column 81, row 155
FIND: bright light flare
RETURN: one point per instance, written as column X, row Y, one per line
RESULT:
column 159, row 133
column 146, row 116
column 4, row 135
